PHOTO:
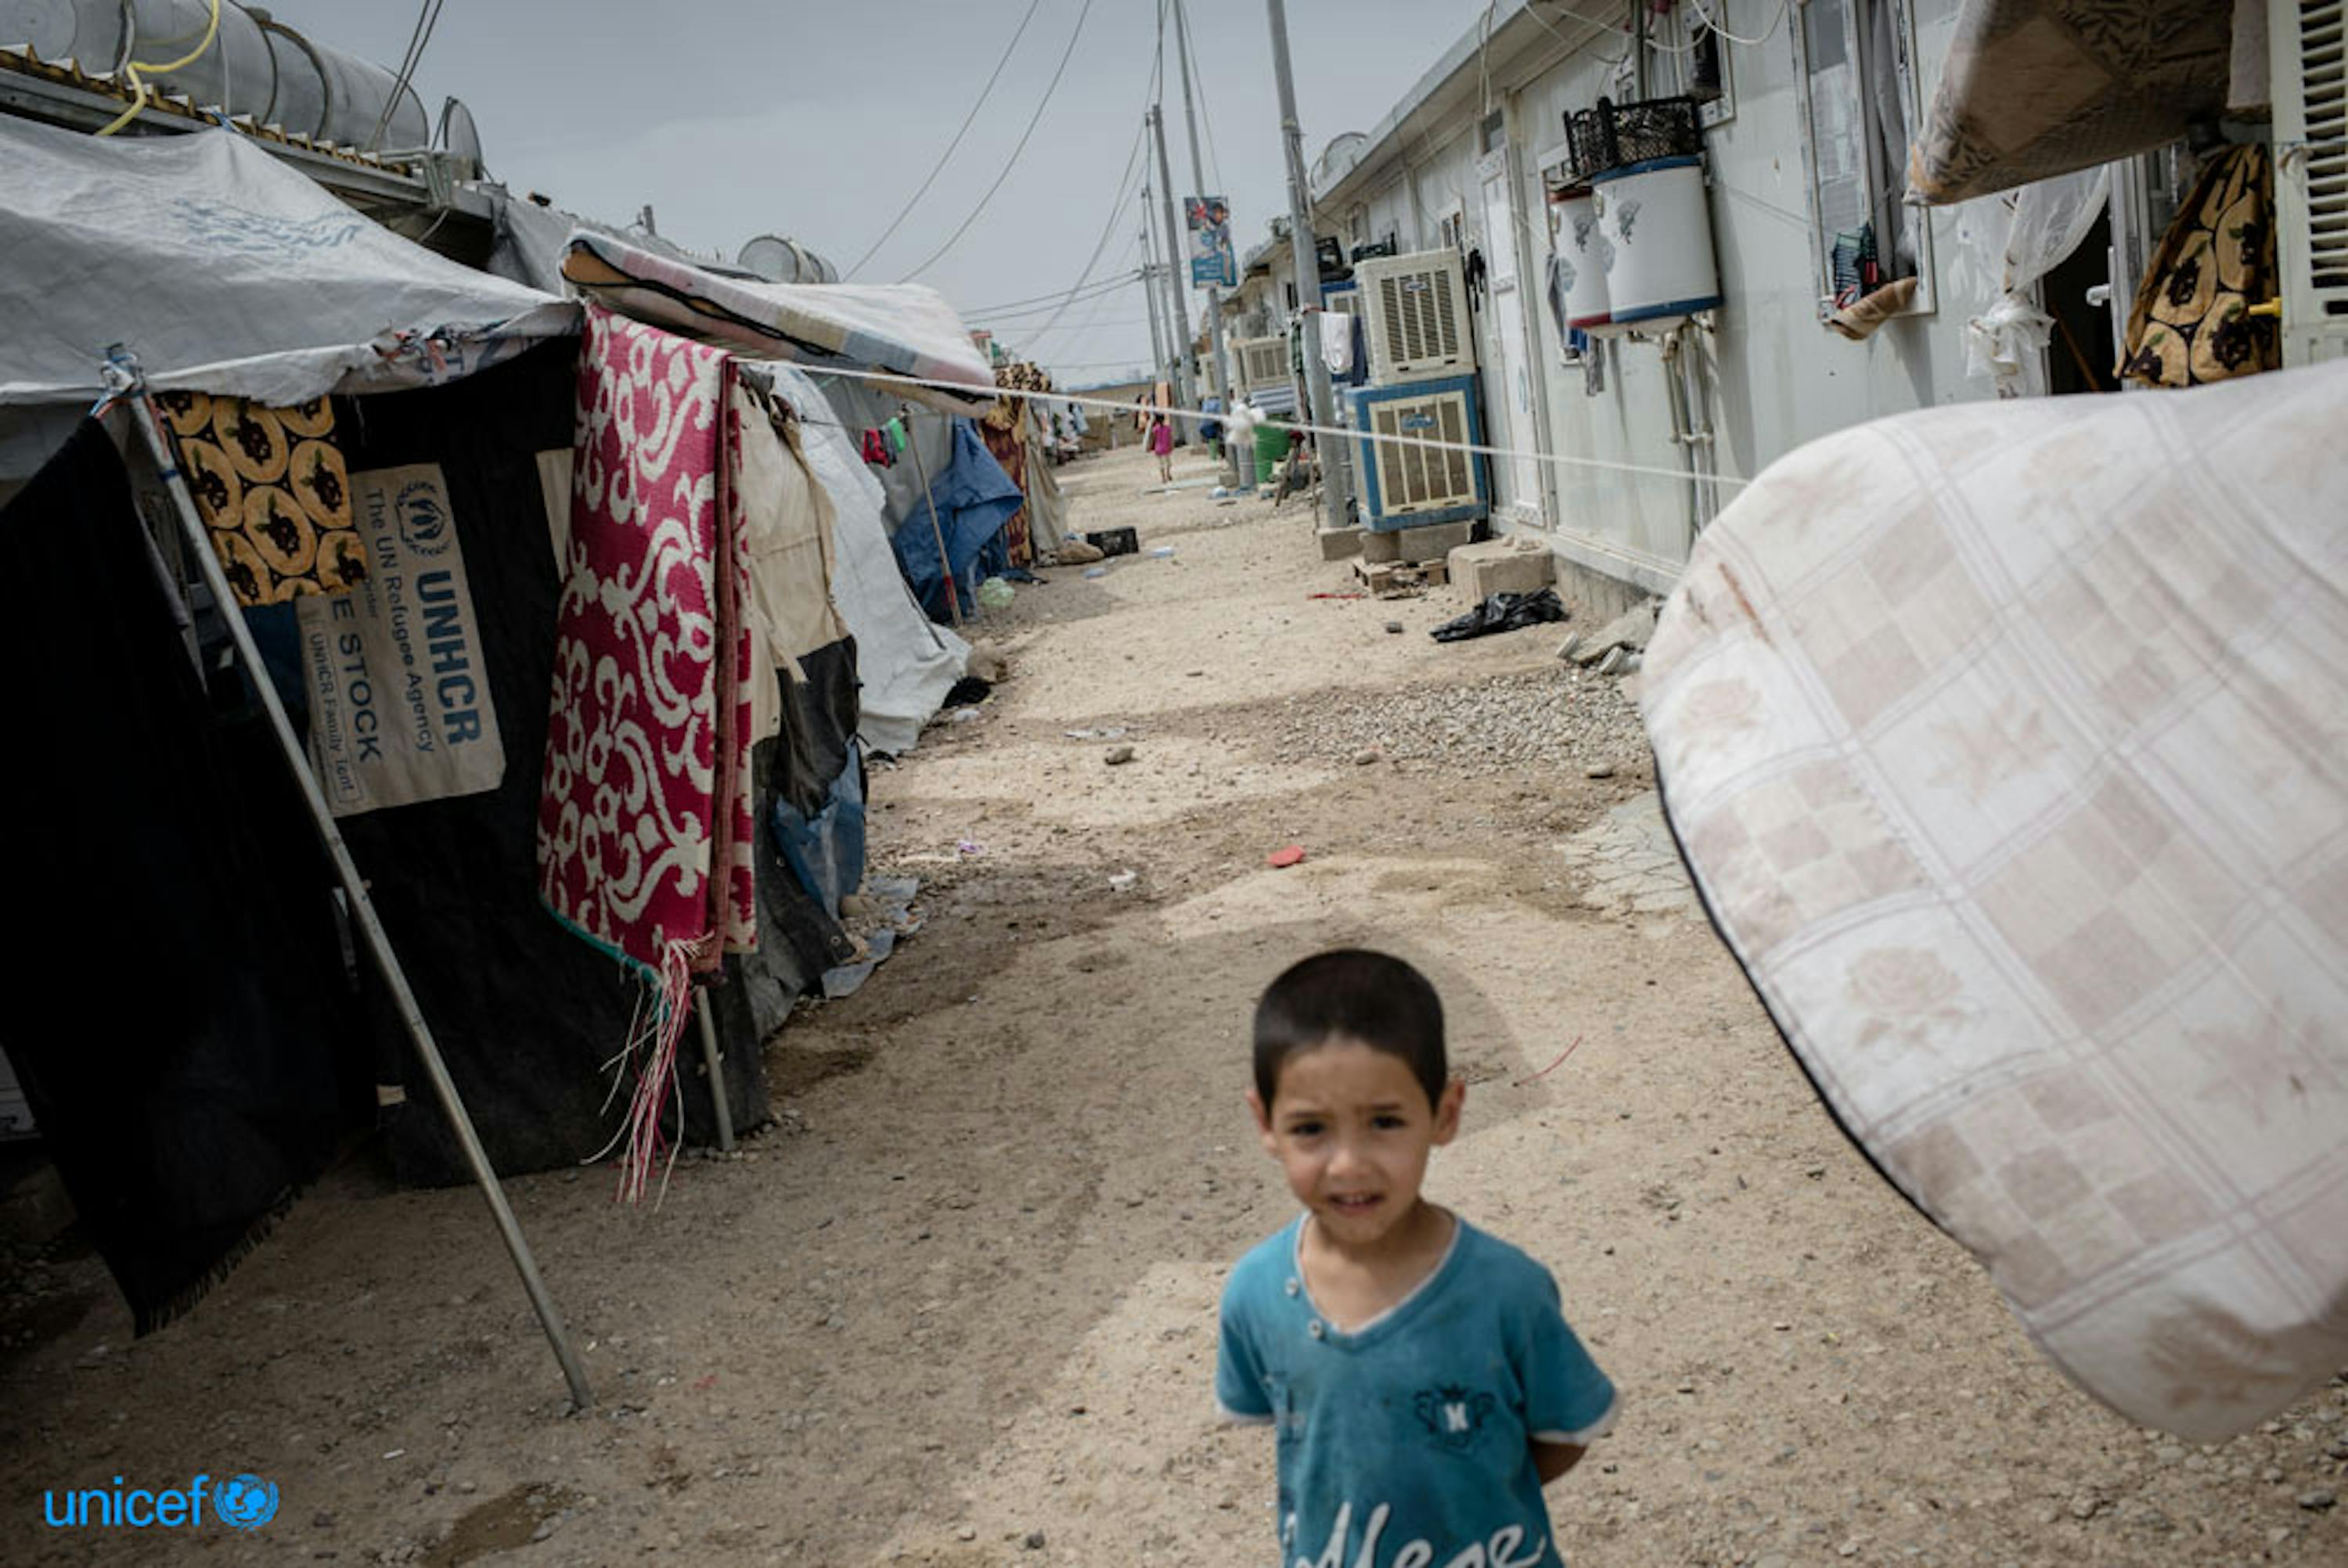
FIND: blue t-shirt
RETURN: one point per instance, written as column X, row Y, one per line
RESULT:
column 1407, row 1443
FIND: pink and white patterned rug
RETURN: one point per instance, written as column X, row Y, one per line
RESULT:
column 644, row 822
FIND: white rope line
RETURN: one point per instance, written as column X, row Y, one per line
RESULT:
column 1680, row 475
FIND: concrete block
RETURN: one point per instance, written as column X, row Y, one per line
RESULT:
column 1336, row 543
column 1501, row 566
column 1630, row 630
column 1378, row 544
column 1432, row 543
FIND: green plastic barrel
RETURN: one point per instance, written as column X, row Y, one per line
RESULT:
column 1270, row 451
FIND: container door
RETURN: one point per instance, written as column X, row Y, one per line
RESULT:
column 1507, row 382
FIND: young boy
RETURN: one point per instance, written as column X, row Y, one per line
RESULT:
column 1419, row 1373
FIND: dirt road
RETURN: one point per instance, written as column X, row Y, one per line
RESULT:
column 957, row 1308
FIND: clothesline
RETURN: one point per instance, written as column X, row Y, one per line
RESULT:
column 1200, row 416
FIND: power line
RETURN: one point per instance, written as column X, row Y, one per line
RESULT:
column 1088, row 325
column 1049, row 302
column 1206, row 109
column 1125, row 185
column 1124, row 182
column 427, row 17
column 1040, row 104
column 966, row 122
column 1009, row 306
column 1089, row 317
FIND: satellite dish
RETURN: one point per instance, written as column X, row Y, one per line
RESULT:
column 781, row 261
column 460, row 137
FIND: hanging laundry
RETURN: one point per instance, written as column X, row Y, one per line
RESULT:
column 1010, row 451
column 271, row 485
column 974, row 500
column 2191, row 323
column 646, row 831
column 895, row 430
column 876, row 450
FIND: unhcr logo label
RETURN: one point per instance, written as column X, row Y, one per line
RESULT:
column 242, row 1502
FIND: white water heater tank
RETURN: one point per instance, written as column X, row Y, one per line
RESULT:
column 1583, row 253
column 1656, row 218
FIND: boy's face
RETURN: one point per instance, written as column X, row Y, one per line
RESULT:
column 1353, row 1130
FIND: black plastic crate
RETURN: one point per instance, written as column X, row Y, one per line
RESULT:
column 1586, row 153
column 1114, row 541
column 1652, row 128
column 1329, row 254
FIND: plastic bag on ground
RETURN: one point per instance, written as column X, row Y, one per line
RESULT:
column 1502, row 613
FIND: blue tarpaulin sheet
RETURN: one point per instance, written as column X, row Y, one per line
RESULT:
column 974, row 499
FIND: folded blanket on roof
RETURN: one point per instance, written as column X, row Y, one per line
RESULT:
column 2008, row 743
column 645, row 828
column 901, row 328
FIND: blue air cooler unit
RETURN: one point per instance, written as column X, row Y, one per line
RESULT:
column 1414, row 487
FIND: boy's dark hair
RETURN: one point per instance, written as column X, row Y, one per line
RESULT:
column 1372, row 997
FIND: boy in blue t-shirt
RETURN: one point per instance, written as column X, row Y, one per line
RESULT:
column 1419, row 1373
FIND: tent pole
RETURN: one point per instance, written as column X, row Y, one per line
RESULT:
column 718, row 1104
column 124, row 380
column 921, row 472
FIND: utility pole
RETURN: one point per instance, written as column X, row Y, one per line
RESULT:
column 1149, row 292
column 1335, row 480
column 1178, row 315
column 1220, row 379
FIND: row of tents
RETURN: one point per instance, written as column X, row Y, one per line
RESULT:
column 417, row 475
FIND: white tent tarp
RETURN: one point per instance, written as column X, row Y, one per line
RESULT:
column 906, row 661
column 226, row 272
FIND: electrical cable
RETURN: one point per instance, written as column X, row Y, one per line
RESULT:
column 1047, row 302
column 407, row 64
column 1132, row 160
column 938, row 167
column 140, row 92
column 1530, row 10
column 1084, row 325
column 1032, row 120
column 1784, row 9
column 1010, row 306
column 1090, row 321
column 1206, row 110
column 414, row 33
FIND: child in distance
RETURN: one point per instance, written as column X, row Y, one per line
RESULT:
column 1419, row 1373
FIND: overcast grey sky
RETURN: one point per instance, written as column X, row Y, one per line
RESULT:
column 735, row 117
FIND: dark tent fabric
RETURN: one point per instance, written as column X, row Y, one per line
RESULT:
column 525, row 1012
column 974, row 499
column 177, row 1031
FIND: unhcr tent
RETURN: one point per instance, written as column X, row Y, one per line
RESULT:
column 388, row 437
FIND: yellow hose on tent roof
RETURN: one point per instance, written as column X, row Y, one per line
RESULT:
column 139, row 88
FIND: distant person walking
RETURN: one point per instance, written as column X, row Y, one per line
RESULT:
column 1161, row 442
